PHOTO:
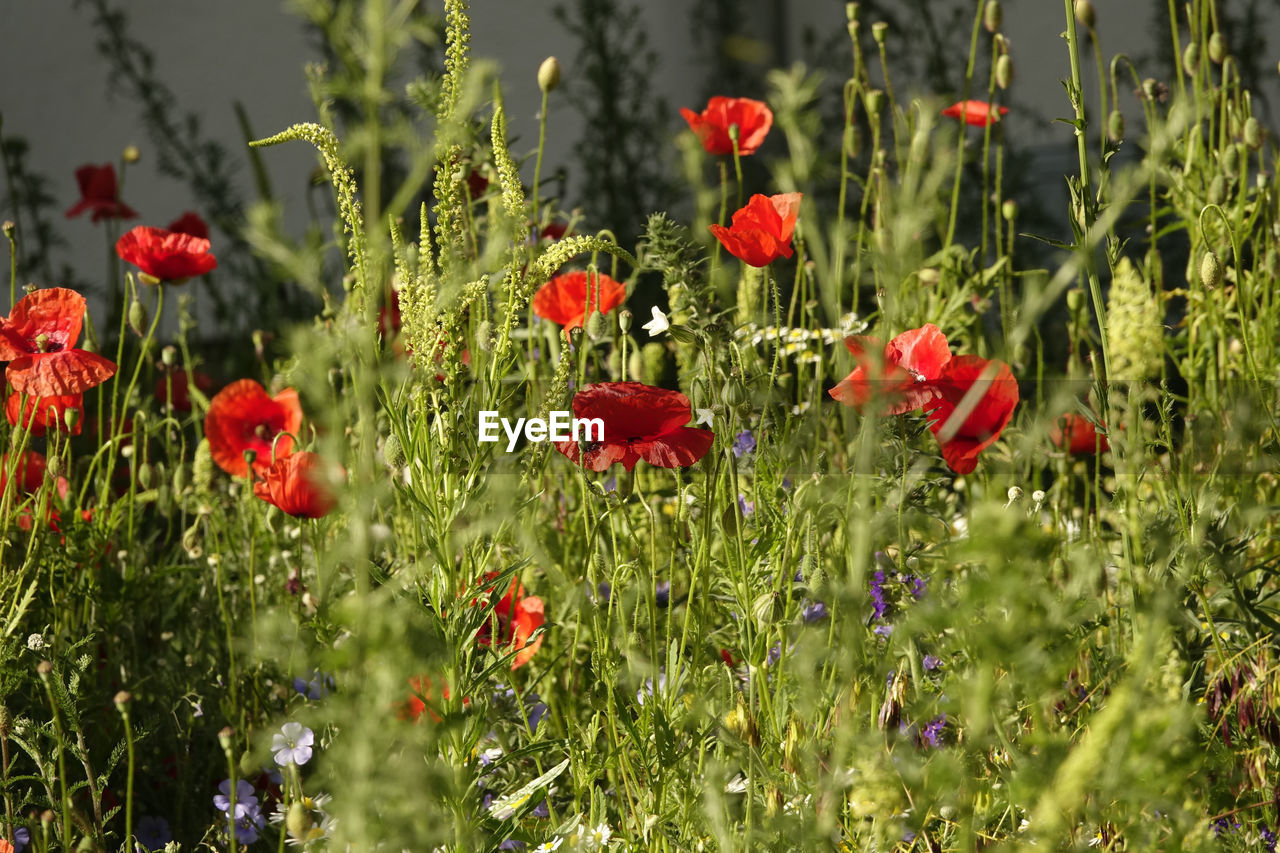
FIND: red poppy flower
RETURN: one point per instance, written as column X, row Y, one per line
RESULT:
column 98, row 193
column 753, row 118
column 901, row 382
column 166, row 255
column 38, row 341
column 1076, row 434
column 761, row 231
column 565, row 299
column 174, row 392
column 417, row 703
column 29, row 471
column 518, row 616
column 41, row 413
column 989, row 413
column 976, row 113
column 640, row 422
column 243, row 417
column 190, row 223
column 296, row 485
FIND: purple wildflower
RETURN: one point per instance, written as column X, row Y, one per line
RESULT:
column 932, row 730
column 743, row 443
column 931, row 663
column 604, row 592
column 244, row 794
column 662, row 593
column 246, row 822
column 152, row 833
column 882, row 630
column 1269, row 839
column 541, row 810
column 878, row 601
column 21, row 838
column 775, row 654
column 814, row 611
column 318, row 687
column 293, row 744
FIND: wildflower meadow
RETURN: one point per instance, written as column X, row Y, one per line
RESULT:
column 788, row 476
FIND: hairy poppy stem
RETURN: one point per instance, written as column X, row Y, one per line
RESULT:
column 968, row 83
column 537, row 163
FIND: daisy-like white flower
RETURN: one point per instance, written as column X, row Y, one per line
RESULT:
column 600, row 835
column 293, row 745
column 658, row 324
column 548, row 846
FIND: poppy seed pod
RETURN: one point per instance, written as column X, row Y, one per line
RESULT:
column 875, row 102
column 1211, row 271
column 549, row 74
column 879, row 30
column 1004, row 71
column 851, row 12
column 1009, row 210
column 992, row 16
column 1085, row 13
column 1217, row 48
column 1191, row 58
column 1115, row 126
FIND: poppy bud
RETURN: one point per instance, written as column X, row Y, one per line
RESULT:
column 1004, row 71
column 875, row 102
column 596, row 326
column 1217, row 48
column 299, row 821
column 179, row 479
column 1191, row 58
column 1231, row 161
column 549, row 74
column 138, row 317
column 624, row 320
column 54, row 464
column 169, row 355
column 1085, row 13
column 1253, row 133
column 144, row 476
column 484, row 336
column 992, row 16
column 878, row 31
column 1075, row 300
column 131, row 154
column 1115, row 126
column 653, row 363
column 1211, row 271
column 392, row 451
column 1009, row 210
column 70, row 417
column 1217, row 190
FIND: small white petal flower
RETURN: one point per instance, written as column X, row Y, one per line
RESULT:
column 704, row 416
column 658, row 324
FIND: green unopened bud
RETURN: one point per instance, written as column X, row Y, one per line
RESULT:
column 549, row 74
column 145, row 476
column 1231, row 161
column 1253, row 133
column 1085, row 13
column 138, row 317
column 1009, row 210
column 1075, row 300
column 875, row 102
column 179, row 479
column 992, row 16
column 1211, row 271
column 250, row 456
column 131, row 154
column 1218, row 48
column 88, row 345
column 1004, row 71
column 169, row 355
column 70, row 417
column 1115, row 126
column 224, row 740
column 653, row 363
column 851, row 12
column 596, row 328
column 879, row 30
column 1191, row 58
column 484, row 336
column 1217, row 190
column 299, row 821
column 624, row 320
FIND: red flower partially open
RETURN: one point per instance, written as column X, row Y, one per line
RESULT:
column 518, row 616
column 38, row 340
column 901, row 381
column 191, row 223
column 976, row 113
column 1076, row 434
column 296, row 485
column 753, row 118
column 99, row 193
column 166, row 255
column 41, row 413
column 761, row 231
column 243, row 417
column 566, row 300
column 640, row 422
column 995, row 397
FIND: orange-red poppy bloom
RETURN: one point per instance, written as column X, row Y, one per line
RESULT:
column 517, row 617
column 244, row 417
column 976, row 113
column 100, row 194
column 761, row 231
column 191, row 223
column 1076, row 434
column 296, row 485
column 640, row 422
column 568, row 300
column 174, row 391
column 166, row 255
column 64, row 413
column 901, row 381
column 995, row 395
column 753, row 119
column 38, row 340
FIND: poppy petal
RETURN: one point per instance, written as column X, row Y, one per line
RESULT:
column 56, row 374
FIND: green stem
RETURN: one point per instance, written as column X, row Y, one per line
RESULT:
column 968, row 84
